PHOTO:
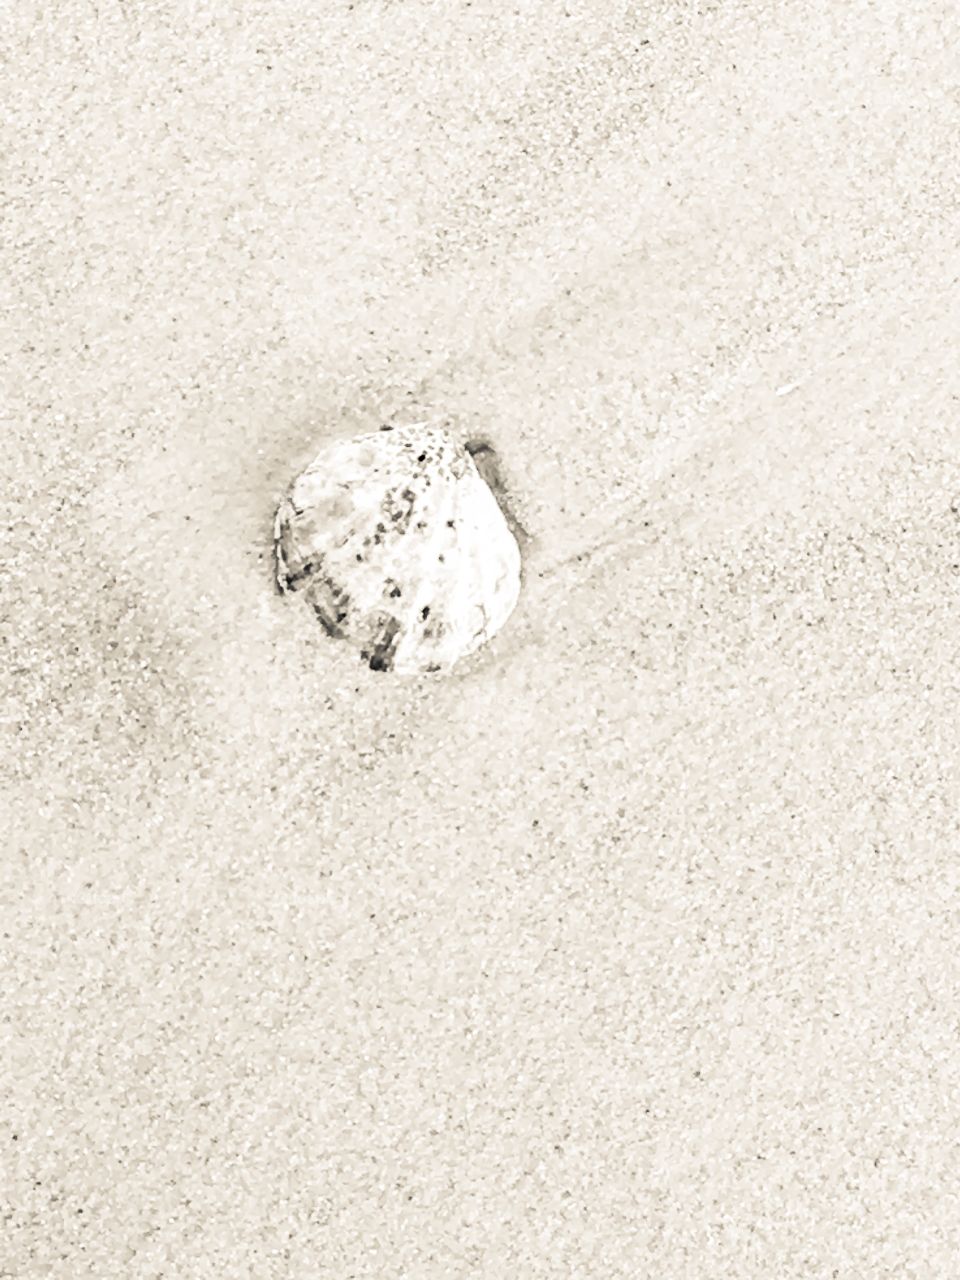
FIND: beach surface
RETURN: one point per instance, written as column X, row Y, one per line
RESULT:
column 629, row 949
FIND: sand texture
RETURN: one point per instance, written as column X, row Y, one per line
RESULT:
column 630, row 948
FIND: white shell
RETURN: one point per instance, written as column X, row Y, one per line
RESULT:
column 400, row 547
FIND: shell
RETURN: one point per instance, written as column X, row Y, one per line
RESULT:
column 400, row 547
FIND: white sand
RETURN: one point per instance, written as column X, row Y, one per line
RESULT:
column 631, row 950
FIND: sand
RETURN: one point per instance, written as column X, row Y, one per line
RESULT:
column 629, row 949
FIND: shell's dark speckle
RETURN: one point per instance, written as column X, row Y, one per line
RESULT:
column 381, row 659
column 398, row 509
column 425, row 612
column 299, row 575
column 331, row 627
